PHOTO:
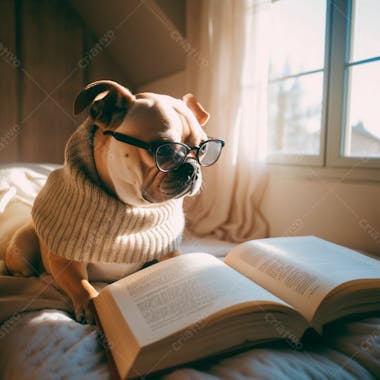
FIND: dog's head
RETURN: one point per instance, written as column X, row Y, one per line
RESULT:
column 148, row 148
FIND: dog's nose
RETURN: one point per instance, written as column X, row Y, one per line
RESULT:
column 188, row 171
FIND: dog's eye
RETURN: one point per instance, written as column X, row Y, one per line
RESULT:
column 203, row 149
column 170, row 156
column 167, row 149
column 209, row 152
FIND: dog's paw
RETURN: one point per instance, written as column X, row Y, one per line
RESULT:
column 83, row 308
column 83, row 312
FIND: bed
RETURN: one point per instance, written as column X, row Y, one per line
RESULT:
column 39, row 339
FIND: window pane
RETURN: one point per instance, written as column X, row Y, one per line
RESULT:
column 363, row 111
column 297, row 36
column 295, row 114
column 365, row 30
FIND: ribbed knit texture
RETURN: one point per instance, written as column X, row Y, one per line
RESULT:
column 77, row 219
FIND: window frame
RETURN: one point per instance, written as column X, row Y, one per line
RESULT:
column 338, row 89
column 331, row 162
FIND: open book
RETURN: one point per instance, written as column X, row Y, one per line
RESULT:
column 195, row 305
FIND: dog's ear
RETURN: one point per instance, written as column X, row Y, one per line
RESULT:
column 200, row 113
column 109, row 102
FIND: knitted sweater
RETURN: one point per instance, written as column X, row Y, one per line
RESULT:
column 79, row 220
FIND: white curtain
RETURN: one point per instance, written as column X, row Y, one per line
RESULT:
column 227, row 70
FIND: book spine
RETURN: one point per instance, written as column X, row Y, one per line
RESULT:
column 103, row 342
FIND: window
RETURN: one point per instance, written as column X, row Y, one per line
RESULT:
column 362, row 125
column 324, row 83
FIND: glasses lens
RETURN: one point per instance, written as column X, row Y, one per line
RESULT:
column 170, row 156
column 209, row 152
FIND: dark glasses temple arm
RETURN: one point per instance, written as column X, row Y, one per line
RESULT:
column 127, row 139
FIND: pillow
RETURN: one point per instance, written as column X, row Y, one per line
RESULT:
column 19, row 185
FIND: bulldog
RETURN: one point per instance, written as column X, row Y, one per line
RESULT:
column 117, row 200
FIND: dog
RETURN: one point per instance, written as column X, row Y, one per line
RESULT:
column 119, row 193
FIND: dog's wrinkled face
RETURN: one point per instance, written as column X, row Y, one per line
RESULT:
column 154, row 118
column 130, row 171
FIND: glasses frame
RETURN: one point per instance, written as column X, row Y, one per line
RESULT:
column 153, row 147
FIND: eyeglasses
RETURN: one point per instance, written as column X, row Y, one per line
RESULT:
column 169, row 155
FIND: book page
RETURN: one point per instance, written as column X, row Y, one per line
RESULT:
column 301, row 270
column 171, row 295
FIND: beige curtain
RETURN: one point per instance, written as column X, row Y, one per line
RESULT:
column 227, row 71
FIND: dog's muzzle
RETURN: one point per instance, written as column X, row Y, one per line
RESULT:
column 186, row 180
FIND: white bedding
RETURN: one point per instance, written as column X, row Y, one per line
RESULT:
column 49, row 344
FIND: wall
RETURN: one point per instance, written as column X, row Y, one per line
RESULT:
column 343, row 212
column 146, row 34
column 173, row 85
column 46, row 56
